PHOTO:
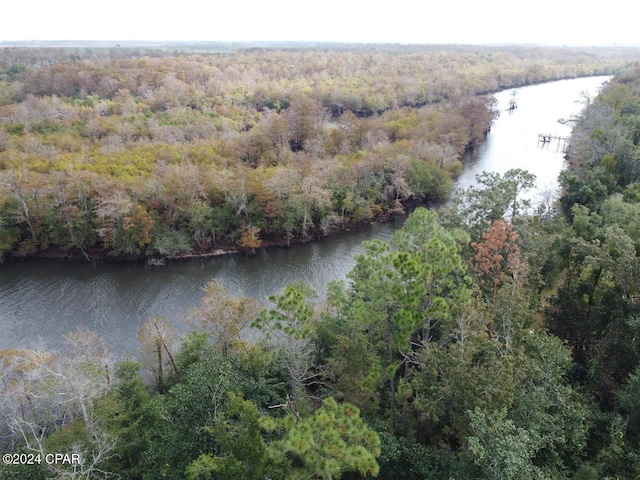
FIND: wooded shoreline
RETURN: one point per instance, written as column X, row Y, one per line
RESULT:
column 136, row 156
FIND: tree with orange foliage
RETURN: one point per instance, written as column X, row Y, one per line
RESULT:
column 498, row 257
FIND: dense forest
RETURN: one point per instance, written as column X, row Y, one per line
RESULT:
column 494, row 339
column 127, row 153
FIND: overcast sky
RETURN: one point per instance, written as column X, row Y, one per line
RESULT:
column 550, row 22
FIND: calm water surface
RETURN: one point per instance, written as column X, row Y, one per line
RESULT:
column 513, row 141
column 41, row 301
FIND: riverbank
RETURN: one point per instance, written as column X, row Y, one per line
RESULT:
column 151, row 165
column 545, row 167
column 269, row 243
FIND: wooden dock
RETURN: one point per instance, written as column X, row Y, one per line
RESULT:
column 548, row 138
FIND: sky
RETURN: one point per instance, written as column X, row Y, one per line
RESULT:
column 546, row 22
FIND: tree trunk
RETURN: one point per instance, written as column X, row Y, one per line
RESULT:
column 392, row 387
column 159, row 350
column 171, row 359
column 404, row 419
column 25, row 211
column 294, row 382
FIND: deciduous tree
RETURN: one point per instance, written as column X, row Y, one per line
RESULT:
column 222, row 316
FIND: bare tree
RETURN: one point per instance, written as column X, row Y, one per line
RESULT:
column 43, row 391
column 157, row 337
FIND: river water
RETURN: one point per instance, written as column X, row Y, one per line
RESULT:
column 42, row 300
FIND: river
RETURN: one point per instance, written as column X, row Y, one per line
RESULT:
column 42, row 300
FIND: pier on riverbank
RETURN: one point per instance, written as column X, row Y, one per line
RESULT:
column 548, row 138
